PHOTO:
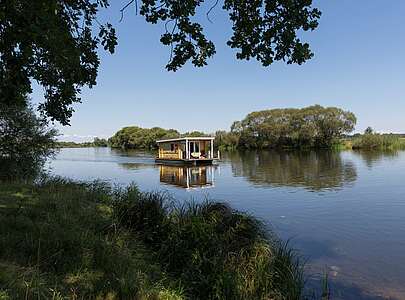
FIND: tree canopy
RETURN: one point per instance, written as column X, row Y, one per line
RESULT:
column 54, row 42
column 134, row 137
column 25, row 143
column 313, row 126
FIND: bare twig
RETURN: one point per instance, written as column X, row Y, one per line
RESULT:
column 171, row 44
column 209, row 11
column 167, row 23
column 126, row 6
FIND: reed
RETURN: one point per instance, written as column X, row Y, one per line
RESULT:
column 375, row 141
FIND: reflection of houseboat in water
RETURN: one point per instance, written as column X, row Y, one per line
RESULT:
column 187, row 150
column 187, row 177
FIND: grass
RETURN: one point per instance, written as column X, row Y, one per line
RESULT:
column 376, row 141
column 61, row 239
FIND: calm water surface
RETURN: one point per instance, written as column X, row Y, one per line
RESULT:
column 344, row 211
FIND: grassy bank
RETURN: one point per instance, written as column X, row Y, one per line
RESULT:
column 374, row 141
column 65, row 240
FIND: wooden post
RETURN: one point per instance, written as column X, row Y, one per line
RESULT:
column 188, row 177
column 187, row 150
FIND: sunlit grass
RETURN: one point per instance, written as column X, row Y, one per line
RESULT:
column 378, row 142
column 61, row 239
column 373, row 141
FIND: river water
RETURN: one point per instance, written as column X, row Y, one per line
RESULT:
column 343, row 211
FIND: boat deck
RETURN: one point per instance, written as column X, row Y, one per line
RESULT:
column 192, row 162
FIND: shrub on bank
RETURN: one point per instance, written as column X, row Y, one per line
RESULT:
column 375, row 141
column 61, row 239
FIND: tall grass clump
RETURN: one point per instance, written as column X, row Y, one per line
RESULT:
column 214, row 251
column 376, row 141
column 58, row 241
column 61, row 239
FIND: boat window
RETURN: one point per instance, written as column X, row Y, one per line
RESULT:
column 194, row 147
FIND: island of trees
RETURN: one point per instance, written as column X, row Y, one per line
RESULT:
column 310, row 127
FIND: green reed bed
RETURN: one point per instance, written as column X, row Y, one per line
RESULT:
column 375, row 141
column 61, row 239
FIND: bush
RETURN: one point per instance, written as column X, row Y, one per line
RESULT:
column 375, row 141
column 143, row 213
column 214, row 251
column 25, row 143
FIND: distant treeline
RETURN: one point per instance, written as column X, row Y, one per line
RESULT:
column 309, row 127
column 97, row 142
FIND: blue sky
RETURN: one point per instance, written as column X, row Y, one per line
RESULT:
column 359, row 65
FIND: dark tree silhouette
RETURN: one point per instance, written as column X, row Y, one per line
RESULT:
column 369, row 130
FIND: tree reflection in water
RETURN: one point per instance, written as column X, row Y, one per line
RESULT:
column 313, row 170
column 372, row 157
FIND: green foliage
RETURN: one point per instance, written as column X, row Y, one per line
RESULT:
column 266, row 31
column 25, row 143
column 97, row 142
column 140, row 138
column 66, row 240
column 60, row 144
column 214, row 251
column 313, row 126
column 368, row 130
column 55, row 42
column 144, row 214
column 194, row 134
column 59, row 240
column 376, row 141
column 226, row 140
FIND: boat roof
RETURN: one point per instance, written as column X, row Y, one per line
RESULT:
column 190, row 138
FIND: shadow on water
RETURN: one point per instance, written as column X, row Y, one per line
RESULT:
column 313, row 170
column 340, row 290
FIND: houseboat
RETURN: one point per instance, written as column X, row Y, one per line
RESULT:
column 186, row 150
